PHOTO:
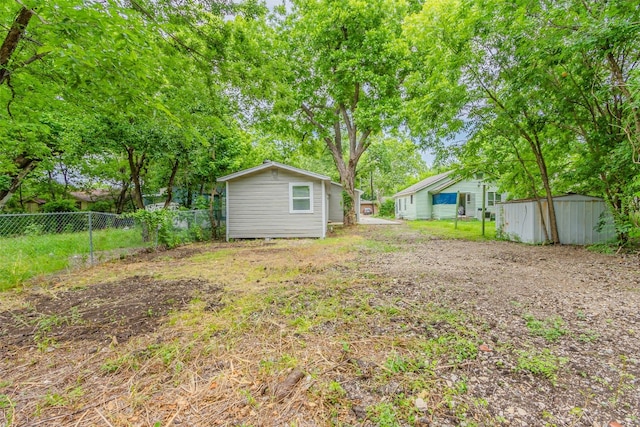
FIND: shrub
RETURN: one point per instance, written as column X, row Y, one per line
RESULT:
column 388, row 208
column 102, row 206
column 64, row 205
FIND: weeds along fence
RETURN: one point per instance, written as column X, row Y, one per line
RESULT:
column 34, row 244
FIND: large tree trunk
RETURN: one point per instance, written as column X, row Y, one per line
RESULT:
column 347, row 181
column 122, row 197
column 536, row 147
column 189, row 202
column 135, row 167
column 357, row 146
column 25, row 165
column 172, row 178
column 534, row 190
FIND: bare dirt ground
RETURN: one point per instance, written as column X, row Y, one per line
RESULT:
column 382, row 325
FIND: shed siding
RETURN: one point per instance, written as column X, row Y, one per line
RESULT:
column 577, row 217
column 258, row 207
column 515, row 221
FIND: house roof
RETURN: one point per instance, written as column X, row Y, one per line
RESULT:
column 432, row 180
column 268, row 164
column 91, row 195
column 36, row 200
column 444, row 185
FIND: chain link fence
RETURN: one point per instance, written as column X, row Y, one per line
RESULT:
column 34, row 244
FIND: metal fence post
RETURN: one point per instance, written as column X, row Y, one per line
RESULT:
column 484, row 205
column 90, row 240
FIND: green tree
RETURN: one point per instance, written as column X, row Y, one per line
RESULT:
column 56, row 60
column 389, row 165
column 595, row 78
column 345, row 63
column 547, row 87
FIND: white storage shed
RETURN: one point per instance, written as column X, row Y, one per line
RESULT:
column 578, row 219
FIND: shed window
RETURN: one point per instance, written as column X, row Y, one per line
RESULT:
column 493, row 198
column 412, row 199
column 300, row 197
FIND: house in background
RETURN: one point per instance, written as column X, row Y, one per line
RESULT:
column 581, row 220
column 274, row 200
column 181, row 196
column 33, row 204
column 86, row 199
column 435, row 198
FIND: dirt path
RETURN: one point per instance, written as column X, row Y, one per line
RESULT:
column 594, row 298
column 382, row 326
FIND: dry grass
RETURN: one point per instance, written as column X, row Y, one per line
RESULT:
column 283, row 306
column 305, row 333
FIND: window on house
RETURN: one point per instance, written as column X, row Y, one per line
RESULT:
column 412, row 199
column 301, row 197
column 493, row 198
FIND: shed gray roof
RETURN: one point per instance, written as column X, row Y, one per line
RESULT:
column 570, row 196
column 424, row 184
column 273, row 165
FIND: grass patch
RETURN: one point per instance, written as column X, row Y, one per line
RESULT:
column 383, row 415
column 377, row 246
column 551, row 328
column 543, row 363
column 25, row 257
column 445, row 229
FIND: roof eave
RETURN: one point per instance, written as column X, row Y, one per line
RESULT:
column 420, row 188
column 269, row 165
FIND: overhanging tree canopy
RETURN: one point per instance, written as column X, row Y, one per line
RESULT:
column 346, row 61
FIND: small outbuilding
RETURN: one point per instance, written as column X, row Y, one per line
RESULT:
column 274, row 200
column 368, row 207
column 582, row 220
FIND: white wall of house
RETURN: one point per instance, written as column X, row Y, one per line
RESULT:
column 423, row 204
column 259, row 206
column 406, row 207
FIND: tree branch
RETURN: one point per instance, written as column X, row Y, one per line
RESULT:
column 10, row 43
column 311, row 117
